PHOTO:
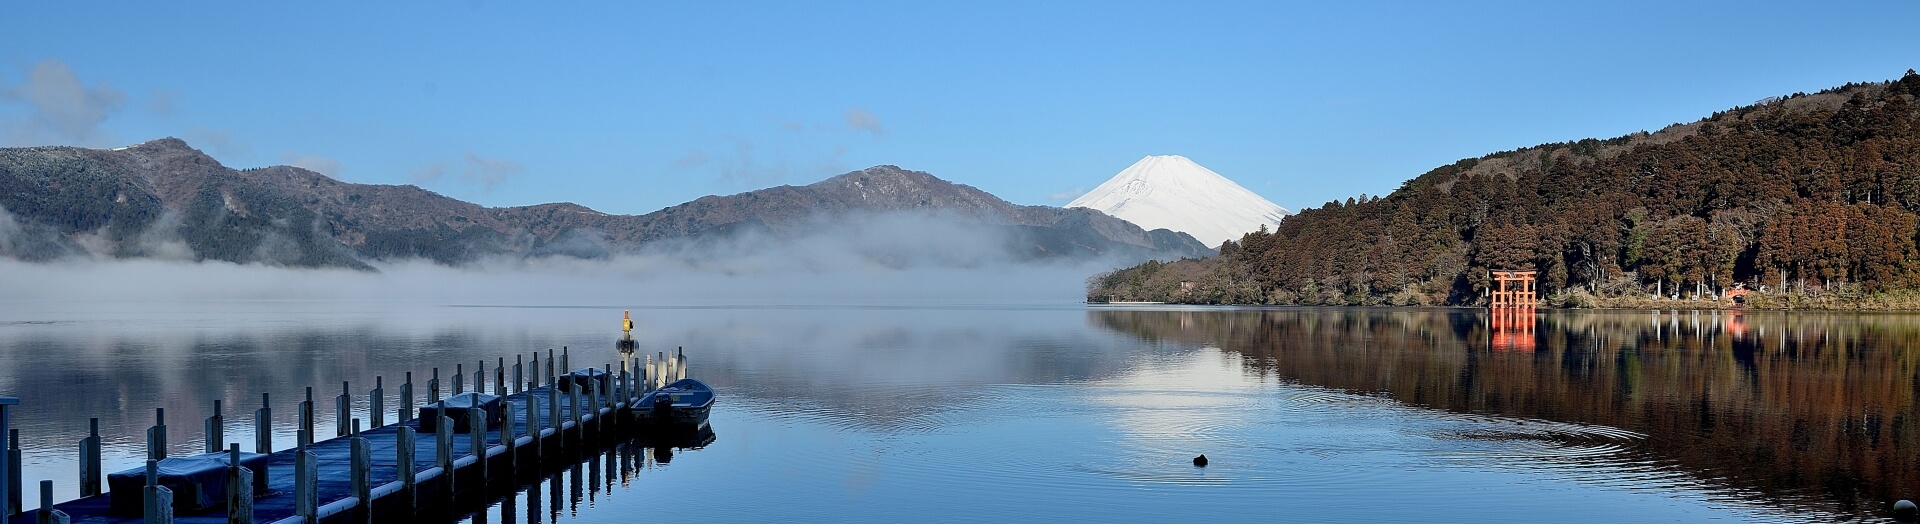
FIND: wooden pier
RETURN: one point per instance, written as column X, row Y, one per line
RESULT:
column 382, row 473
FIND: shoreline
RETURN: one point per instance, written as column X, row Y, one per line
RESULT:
column 1902, row 301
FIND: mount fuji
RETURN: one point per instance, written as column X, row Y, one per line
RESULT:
column 1172, row 192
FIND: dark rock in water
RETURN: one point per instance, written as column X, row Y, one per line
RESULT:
column 1200, row 461
column 1905, row 511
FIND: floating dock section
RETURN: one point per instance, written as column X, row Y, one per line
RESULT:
column 482, row 446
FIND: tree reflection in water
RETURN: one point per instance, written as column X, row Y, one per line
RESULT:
column 1810, row 409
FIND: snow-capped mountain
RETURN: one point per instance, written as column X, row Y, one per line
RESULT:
column 1172, row 192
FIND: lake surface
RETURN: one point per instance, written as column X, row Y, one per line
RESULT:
column 909, row 412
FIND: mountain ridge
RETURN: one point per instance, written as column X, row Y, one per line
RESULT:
column 163, row 198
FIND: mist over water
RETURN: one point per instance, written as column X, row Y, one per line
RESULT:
column 888, row 257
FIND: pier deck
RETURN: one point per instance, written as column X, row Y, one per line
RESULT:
column 475, row 481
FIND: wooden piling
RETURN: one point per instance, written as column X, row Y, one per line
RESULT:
column 443, row 445
column 477, row 440
column 342, row 409
column 550, row 375
column 263, row 426
column 216, row 429
column 500, row 378
column 377, row 403
column 158, row 500
column 360, row 460
column 508, row 439
column 591, row 413
column 480, row 377
column 240, row 487
column 573, row 404
column 564, row 367
column 433, row 387
column 306, row 481
column 303, row 436
column 459, row 378
column 48, row 515
column 406, row 399
column 13, row 483
column 533, row 374
column 518, row 385
column 403, row 456
column 533, row 424
column 90, row 470
column 620, row 387
column 157, row 435
column 553, row 409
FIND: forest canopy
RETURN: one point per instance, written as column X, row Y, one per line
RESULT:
column 1806, row 191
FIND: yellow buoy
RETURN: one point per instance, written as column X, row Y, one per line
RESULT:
column 626, row 322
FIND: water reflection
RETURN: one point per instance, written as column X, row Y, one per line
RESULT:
column 1804, row 409
column 585, row 482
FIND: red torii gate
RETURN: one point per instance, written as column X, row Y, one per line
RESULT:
column 1510, row 317
column 1513, row 288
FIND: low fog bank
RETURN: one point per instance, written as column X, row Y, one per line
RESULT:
column 896, row 257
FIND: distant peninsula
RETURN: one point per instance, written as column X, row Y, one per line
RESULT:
column 1811, row 199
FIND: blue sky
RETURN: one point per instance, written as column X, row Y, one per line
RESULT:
column 631, row 107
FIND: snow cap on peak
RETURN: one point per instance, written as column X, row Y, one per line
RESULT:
column 1174, row 192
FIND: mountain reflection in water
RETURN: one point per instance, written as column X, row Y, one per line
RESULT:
column 1810, row 409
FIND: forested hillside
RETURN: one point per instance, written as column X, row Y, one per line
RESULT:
column 1804, row 192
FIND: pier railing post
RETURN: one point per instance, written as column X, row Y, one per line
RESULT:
column 90, row 460
column 406, row 399
column 158, row 500
column 306, row 481
column 216, row 429
column 377, row 403
column 342, row 410
column 157, row 435
column 360, row 455
column 263, row 426
column 239, row 489
column 477, row 440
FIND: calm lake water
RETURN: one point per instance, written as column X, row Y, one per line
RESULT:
column 894, row 412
